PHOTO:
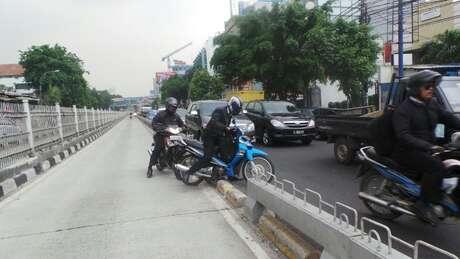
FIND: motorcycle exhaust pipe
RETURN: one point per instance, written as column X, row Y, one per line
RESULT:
column 184, row 168
column 383, row 203
column 181, row 168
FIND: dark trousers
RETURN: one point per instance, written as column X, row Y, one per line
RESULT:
column 210, row 145
column 159, row 146
column 432, row 169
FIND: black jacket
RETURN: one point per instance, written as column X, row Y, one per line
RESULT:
column 220, row 120
column 163, row 119
column 414, row 123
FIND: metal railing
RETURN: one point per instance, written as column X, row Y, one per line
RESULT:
column 25, row 128
column 341, row 220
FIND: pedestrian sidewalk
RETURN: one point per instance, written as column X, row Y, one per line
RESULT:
column 99, row 204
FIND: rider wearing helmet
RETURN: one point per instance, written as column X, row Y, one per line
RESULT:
column 215, row 132
column 160, row 122
column 414, row 123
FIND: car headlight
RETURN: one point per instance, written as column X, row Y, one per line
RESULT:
column 250, row 127
column 311, row 124
column 277, row 124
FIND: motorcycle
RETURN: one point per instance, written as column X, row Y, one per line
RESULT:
column 173, row 148
column 389, row 191
column 246, row 162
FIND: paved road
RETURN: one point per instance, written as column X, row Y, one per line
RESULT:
column 314, row 167
column 98, row 204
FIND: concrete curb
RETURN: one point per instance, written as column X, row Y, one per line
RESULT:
column 9, row 186
column 234, row 196
column 290, row 244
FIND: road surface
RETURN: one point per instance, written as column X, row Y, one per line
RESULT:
column 99, row 204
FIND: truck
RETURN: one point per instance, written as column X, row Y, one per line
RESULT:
column 349, row 132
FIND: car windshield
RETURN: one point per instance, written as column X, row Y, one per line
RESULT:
column 207, row 108
column 280, row 107
column 451, row 90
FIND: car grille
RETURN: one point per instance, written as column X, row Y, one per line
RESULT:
column 296, row 124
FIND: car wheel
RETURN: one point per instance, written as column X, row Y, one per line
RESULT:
column 343, row 151
column 267, row 140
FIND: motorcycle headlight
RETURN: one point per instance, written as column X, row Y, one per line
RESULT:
column 277, row 124
column 311, row 124
column 250, row 127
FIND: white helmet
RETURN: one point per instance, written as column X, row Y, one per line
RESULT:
column 235, row 105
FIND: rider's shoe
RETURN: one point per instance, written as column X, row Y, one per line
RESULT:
column 426, row 213
column 149, row 172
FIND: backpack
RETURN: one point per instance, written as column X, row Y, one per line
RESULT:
column 382, row 134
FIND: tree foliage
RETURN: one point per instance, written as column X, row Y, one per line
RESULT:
column 176, row 87
column 290, row 48
column 444, row 49
column 204, row 86
column 60, row 75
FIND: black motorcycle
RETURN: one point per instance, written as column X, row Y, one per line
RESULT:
column 173, row 149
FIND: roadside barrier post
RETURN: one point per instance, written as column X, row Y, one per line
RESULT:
column 59, row 122
column 29, row 125
column 76, row 117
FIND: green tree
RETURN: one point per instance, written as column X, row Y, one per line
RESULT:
column 444, row 49
column 205, row 86
column 290, row 48
column 55, row 66
column 353, row 59
column 176, row 87
column 53, row 95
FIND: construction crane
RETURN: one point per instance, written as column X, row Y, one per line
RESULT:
column 168, row 57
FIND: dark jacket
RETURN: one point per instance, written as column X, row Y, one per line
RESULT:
column 163, row 119
column 414, row 123
column 220, row 120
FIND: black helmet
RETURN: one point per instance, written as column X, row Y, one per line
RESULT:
column 422, row 78
column 171, row 105
column 235, row 105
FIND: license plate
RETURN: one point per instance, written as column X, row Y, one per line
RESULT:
column 175, row 137
column 298, row 132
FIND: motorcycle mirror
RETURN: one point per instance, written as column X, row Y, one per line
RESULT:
column 455, row 138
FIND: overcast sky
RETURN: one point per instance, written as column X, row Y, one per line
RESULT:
column 120, row 41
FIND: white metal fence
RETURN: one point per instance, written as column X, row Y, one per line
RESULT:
column 25, row 128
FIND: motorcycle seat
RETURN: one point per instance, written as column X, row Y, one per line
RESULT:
column 387, row 161
column 194, row 143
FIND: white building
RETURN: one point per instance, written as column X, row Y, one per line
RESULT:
column 11, row 75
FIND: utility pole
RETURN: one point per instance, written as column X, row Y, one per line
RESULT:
column 400, row 38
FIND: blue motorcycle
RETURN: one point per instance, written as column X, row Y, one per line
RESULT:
column 389, row 191
column 246, row 162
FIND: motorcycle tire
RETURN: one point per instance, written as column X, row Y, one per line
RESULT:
column 366, row 187
column 188, row 160
column 265, row 162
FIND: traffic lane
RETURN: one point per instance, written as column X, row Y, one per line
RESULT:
column 315, row 167
column 99, row 204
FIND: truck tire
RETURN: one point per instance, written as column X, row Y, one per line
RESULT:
column 343, row 151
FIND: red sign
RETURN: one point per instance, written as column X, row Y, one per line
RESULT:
column 387, row 52
column 161, row 76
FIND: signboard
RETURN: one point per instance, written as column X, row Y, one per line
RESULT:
column 161, row 76
column 430, row 14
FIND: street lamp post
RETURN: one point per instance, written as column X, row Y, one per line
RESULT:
column 40, row 82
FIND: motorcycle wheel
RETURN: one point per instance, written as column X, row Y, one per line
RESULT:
column 188, row 160
column 376, row 185
column 263, row 164
column 215, row 177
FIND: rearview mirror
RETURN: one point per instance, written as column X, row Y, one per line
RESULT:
column 194, row 113
column 455, row 138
